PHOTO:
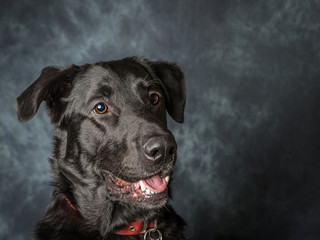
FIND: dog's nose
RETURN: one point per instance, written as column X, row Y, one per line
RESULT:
column 160, row 148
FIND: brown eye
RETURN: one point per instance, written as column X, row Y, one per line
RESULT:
column 100, row 108
column 154, row 98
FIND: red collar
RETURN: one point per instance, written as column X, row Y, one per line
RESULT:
column 133, row 228
column 71, row 205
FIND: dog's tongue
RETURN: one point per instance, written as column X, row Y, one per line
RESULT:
column 155, row 183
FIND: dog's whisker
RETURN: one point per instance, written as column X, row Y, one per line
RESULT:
column 120, row 171
column 146, row 76
column 167, row 208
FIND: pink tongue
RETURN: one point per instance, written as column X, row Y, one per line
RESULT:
column 156, row 183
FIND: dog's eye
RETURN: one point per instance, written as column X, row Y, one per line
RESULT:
column 100, row 108
column 154, row 98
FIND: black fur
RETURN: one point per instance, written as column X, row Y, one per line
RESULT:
column 88, row 145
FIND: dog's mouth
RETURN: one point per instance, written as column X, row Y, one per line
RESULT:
column 153, row 188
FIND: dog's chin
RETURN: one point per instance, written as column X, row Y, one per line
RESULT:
column 148, row 193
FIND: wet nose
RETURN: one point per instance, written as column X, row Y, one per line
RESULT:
column 160, row 148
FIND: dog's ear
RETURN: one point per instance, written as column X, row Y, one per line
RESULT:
column 173, row 80
column 48, row 87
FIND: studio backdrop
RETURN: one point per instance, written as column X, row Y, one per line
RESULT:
column 248, row 152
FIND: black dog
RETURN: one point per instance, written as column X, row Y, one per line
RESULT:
column 113, row 154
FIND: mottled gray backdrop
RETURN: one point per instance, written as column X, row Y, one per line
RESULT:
column 249, row 165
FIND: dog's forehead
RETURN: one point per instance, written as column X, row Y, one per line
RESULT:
column 111, row 79
column 115, row 74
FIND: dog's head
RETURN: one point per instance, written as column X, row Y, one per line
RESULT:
column 110, row 129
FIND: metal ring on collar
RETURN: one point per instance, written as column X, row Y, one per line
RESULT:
column 147, row 233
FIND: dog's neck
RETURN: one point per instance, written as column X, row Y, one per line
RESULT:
column 73, row 214
column 61, row 217
column 132, row 228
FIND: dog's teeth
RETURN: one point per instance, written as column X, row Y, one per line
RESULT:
column 152, row 192
column 167, row 178
column 142, row 186
column 136, row 185
column 147, row 191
